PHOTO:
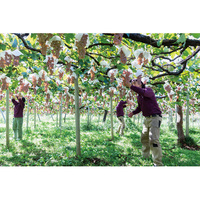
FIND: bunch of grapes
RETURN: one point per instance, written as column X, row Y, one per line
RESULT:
column 60, row 74
column 34, row 80
column 92, row 75
column 125, row 77
column 80, row 102
column 69, row 79
column 81, row 46
column 72, row 99
column 8, row 59
column 123, row 58
column 167, row 88
column 60, row 96
column 5, row 84
column 116, row 99
column 67, row 69
column 67, row 98
column 16, row 61
column 46, row 84
column 72, row 79
column 111, row 93
column 122, row 93
column 56, row 44
column 139, row 59
column 117, row 38
column 39, row 81
column 42, row 38
column 145, row 61
column 71, row 111
column 2, row 63
column 24, row 87
column 85, row 96
column 112, row 77
column 47, row 98
column 100, row 92
column 50, row 65
column 1, row 95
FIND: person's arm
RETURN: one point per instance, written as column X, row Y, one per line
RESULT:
column 136, row 111
column 124, row 104
column 146, row 92
column 21, row 102
column 14, row 101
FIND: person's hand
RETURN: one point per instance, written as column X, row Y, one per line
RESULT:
column 19, row 95
column 130, row 115
column 127, row 83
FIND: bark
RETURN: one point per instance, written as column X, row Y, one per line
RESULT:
column 105, row 114
column 179, row 123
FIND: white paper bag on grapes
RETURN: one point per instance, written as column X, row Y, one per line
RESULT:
column 112, row 74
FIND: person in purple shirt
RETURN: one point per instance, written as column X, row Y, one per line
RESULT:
column 120, row 115
column 152, row 120
column 18, row 116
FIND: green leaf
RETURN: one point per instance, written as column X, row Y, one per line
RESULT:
column 196, row 35
column 69, row 37
column 159, row 43
column 34, row 35
column 182, row 38
column 15, row 43
column 24, row 74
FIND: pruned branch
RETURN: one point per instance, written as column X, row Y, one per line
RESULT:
column 21, row 36
column 102, row 44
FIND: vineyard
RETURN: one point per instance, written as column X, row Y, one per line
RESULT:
column 72, row 84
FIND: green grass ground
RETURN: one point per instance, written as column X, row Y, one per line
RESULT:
column 47, row 145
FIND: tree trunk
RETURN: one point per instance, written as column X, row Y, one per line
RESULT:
column 88, row 116
column 77, row 118
column 65, row 117
column 111, row 117
column 187, row 116
column 7, row 118
column 39, row 117
column 105, row 114
column 27, row 117
column 34, row 117
column 60, row 115
column 179, row 124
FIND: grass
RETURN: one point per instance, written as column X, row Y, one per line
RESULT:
column 47, row 145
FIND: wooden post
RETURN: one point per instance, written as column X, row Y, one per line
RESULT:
column 134, row 117
column 65, row 117
column 27, row 117
column 77, row 118
column 187, row 115
column 57, row 118
column 34, row 117
column 7, row 118
column 60, row 116
column 38, row 117
column 175, row 113
column 88, row 116
column 111, row 117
